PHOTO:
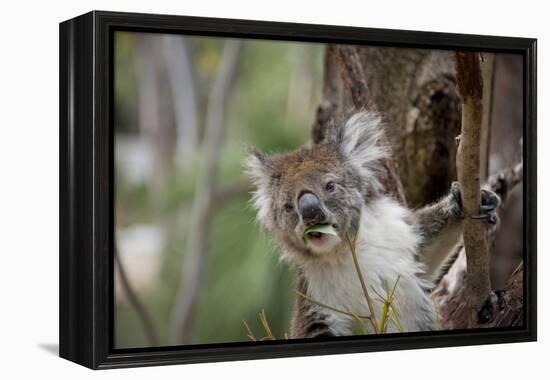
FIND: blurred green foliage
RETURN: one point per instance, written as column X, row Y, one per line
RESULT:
column 267, row 110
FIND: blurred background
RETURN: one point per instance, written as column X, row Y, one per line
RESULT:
column 190, row 105
column 191, row 262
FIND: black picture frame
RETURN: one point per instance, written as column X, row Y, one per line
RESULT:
column 86, row 188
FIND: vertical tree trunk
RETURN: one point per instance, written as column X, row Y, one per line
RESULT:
column 470, row 84
column 194, row 265
column 155, row 115
column 488, row 74
column 415, row 90
column 451, row 293
column 179, row 64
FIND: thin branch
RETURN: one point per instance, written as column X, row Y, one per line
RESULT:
column 250, row 334
column 156, row 127
column 470, row 85
column 136, row 303
column 267, row 328
column 227, row 193
column 488, row 75
column 387, row 305
column 360, row 321
column 309, row 299
column 194, row 265
column 362, row 281
column 395, row 320
column 502, row 183
column 354, row 75
column 181, row 71
column 393, row 183
column 505, row 180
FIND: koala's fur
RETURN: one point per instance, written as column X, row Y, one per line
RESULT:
column 391, row 241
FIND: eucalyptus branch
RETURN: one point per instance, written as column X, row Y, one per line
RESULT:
column 136, row 302
column 470, row 85
column 249, row 333
column 362, row 280
column 349, row 314
column 267, row 328
column 387, row 305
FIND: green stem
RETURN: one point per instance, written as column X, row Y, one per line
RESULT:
column 363, row 285
column 384, row 320
column 250, row 333
column 309, row 299
column 387, row 305
column 265, row 323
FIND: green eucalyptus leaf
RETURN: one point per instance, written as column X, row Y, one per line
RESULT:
column 321, row 228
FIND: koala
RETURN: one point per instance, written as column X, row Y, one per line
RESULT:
column 338, row 183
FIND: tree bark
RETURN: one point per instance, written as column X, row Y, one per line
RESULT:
column 506, row 310
column 451, row 294
column 488, row 75
column 350, row 95
column 332, row 89
column 415, row 91
column 470, row 85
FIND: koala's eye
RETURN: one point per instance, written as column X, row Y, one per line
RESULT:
column 289, row 207
column 330, row 186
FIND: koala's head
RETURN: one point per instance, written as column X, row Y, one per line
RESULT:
column 326, row 184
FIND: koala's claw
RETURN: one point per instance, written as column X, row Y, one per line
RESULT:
column 455, row 192
column 491, row 218
column 489, row 204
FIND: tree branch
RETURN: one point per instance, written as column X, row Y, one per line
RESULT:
column 354, row 76
column 331, row 89
column 488, row 76
column 136, row 303
column 451, row 292
column 225, row 194
column 470, row 85
column 510, row 301
column 194, row 264
column 181, row 72
column 505, row 180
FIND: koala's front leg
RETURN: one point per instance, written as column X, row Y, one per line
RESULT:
column 441, row 227
column 307, row 320
column 309, row 325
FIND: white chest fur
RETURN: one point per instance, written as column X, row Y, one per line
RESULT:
column 385, row 247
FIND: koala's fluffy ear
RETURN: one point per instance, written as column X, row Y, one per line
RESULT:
column 361, row 141
column 260, row 168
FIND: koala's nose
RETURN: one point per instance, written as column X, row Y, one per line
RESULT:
column 310, row 209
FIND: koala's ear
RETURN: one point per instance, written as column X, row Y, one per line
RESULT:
column 260, row 167
column 361, row 141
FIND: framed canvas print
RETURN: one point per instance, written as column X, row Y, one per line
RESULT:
column 237, row 189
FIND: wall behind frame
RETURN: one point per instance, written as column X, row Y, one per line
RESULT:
column 29, row 165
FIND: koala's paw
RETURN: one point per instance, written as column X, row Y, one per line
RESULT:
column 489, row 204
column 487, row 211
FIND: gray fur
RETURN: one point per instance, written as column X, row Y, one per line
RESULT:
column 391, row 241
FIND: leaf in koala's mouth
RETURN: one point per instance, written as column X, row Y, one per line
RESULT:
column 319, row 229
